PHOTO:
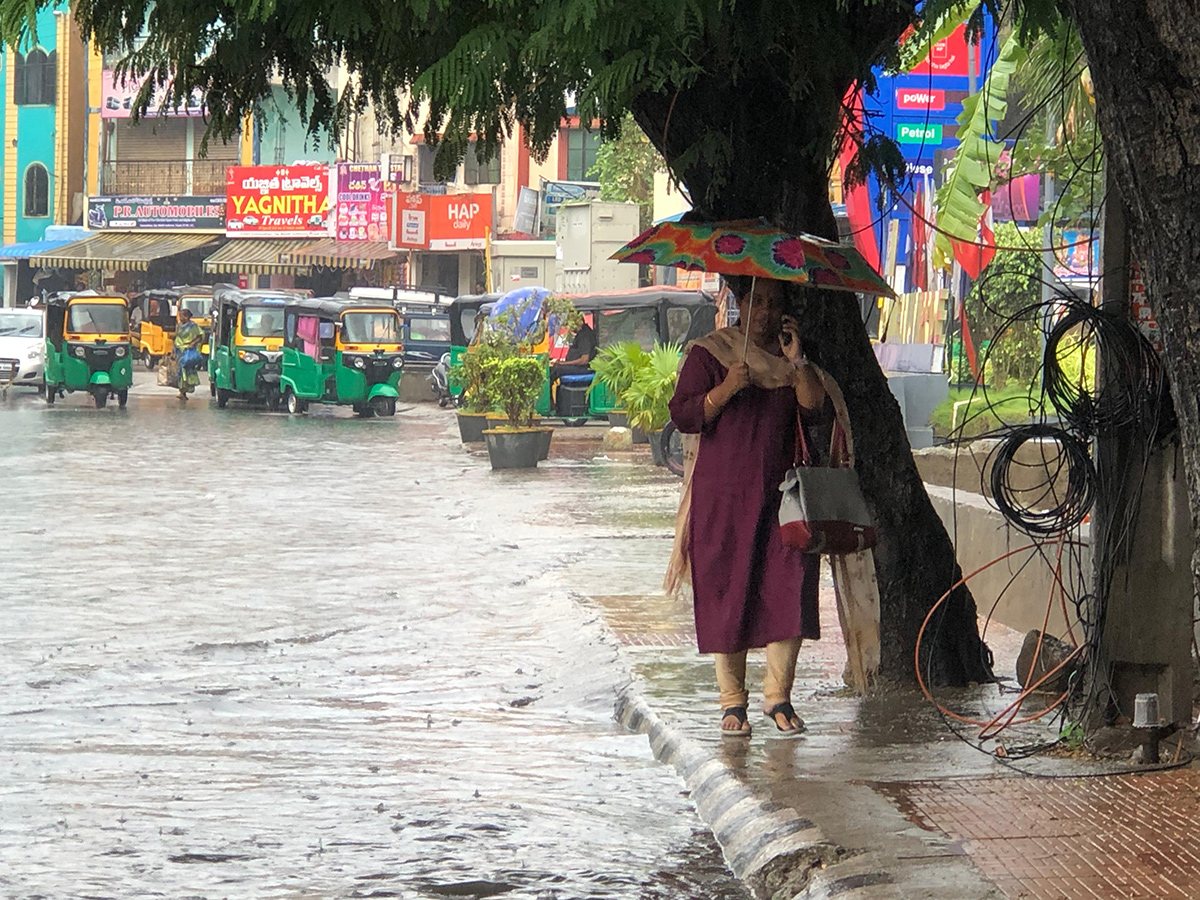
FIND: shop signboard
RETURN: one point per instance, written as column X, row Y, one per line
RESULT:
column 555, row 193
column 156, row 213
column 364, row 201
column 117, row 99
column 277, row 201
column 442, row 222
column 526, row 217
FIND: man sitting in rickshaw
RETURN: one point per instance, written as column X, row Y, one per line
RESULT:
column 578, row 360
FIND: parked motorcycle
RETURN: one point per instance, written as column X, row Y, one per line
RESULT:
column 439, row 381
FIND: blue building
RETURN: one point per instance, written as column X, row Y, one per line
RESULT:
column 43, row 135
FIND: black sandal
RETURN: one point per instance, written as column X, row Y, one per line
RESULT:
column 739, row 713
column 788, row 711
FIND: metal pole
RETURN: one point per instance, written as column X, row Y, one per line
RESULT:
column 749, row 311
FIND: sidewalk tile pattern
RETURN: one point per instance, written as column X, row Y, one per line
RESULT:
column 1132, row 837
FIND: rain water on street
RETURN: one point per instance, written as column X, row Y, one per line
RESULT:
column 249, row 655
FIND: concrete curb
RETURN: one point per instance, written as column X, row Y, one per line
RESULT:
column 778, row 852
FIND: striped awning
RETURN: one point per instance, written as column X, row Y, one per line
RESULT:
column 121, row 251
column 340, row 254
column 258, row 256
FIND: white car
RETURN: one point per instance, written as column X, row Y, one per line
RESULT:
column 22, row 347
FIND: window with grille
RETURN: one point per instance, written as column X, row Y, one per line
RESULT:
column 476, row 171
column 582, row 147
column 34, row 78
column 37, row 192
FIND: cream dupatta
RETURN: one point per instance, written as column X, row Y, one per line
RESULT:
column 854, row 580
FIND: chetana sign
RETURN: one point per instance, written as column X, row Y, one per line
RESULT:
column 277, row 201
column 442, row 222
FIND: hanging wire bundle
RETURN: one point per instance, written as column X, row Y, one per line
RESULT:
column 1032, row 503
column 1133, row 382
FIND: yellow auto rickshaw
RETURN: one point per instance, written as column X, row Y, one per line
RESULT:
column 156, row 317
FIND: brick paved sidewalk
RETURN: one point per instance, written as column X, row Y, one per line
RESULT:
column 884, row 773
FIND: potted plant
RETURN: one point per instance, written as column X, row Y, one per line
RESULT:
column 470, row 373
column 615, row 367
column 647, row 397
column 515, row 382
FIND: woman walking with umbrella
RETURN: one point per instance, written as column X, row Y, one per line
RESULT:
column 742, row 394
column 745, row 390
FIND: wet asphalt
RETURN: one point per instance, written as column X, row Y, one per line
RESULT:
column 249, row 655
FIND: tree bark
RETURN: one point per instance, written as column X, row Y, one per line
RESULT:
column 1144, row 57
column 781, row 151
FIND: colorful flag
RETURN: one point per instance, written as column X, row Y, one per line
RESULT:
column 975, row 256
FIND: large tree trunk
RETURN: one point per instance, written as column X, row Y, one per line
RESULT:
column 1144, row 57
column 780, row 151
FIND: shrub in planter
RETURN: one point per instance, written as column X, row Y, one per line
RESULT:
column 653, row 385
column 515, row 383
column 616, row 366
column 470, row 372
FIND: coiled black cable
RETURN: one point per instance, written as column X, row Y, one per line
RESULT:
column 1044, row 504
column 1130, row 362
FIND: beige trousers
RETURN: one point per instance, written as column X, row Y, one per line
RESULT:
column 777, row 683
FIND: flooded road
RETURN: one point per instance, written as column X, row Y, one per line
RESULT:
column 246, row 655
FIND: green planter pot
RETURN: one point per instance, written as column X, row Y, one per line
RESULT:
column 471, row 426
column 516, row 449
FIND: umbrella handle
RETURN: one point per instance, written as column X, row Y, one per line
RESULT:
column 749, row 312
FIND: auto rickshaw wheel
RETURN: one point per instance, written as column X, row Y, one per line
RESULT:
column 100, row 395
column 293, row 404
column 212, row 388
column 384, row 406
column 51, row 394
column 363, row 410
column 149, row 361
column 274, row 401
column 122, row 398
column 222, row 398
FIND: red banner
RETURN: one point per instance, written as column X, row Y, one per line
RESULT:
column 949, row 56
column 277, row 201
column 442, row 221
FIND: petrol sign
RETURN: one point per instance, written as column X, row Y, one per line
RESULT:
column 919, row 133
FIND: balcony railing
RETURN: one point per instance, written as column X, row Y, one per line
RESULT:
column 183, row 177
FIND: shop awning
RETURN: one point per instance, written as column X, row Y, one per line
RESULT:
column 340, row 254
column 29, row 248
column 121, row 251
column 258, row 256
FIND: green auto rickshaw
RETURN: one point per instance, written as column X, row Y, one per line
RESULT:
column 88, row 347
column 246, row 345
column 342, row 352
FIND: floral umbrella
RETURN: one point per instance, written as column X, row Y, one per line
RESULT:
column 756, row 248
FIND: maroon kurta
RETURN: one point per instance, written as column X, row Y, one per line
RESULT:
column 749, row 588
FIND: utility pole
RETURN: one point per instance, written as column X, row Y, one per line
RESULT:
column 1141, row 540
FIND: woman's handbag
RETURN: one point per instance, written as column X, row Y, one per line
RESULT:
column 822, row 509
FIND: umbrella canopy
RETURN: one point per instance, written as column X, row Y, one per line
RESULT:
column 756, row 248
column 525, row 304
